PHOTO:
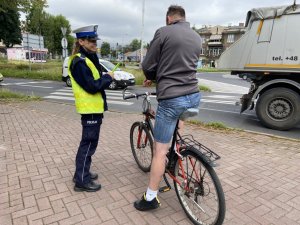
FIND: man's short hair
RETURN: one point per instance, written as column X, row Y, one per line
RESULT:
column 176, row 10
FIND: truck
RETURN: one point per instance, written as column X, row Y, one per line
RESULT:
column 269, row 55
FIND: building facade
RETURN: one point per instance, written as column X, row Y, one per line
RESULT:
column 31, row 49
column 136, row 55
column 216, row 39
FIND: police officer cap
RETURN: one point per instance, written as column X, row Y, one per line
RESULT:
column 89, row 32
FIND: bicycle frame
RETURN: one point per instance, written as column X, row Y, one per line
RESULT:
column 147, row 122
column 172, row 154
column 175, row 152
column 175, row 139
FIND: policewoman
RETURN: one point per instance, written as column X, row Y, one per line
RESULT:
column 88, row 84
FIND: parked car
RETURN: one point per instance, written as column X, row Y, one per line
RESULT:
column 121, row 78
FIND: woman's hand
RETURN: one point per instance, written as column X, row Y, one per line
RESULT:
column 111, row 74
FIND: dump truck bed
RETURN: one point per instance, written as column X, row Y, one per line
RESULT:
column 269, row 45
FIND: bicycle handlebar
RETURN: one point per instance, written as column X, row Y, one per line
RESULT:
column 136, row 95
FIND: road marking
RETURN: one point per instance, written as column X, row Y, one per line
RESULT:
column 218, row 101
column 119, row 103
column 27, row 85
column 67, row 94
column 71, row 94
column 60, row 97
column 226, row 111
column 222, row 96
column 62, row 93
column 113, row 97
column 65, row 90
column 73, row 99
column 32, row 82
column 216, row 86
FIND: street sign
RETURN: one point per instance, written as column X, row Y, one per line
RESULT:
column 63, row 30
column 65, row 53
column 64, row 43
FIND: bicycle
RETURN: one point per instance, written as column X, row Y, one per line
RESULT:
column 189, row 164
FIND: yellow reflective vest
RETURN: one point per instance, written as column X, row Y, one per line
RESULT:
column 85, row 102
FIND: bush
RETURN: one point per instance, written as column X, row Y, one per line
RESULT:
column 22, row 67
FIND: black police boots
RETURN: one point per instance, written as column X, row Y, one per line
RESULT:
column 94, row 176
column 89, row 187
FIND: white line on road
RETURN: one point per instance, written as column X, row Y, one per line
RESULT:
column 216, row 86
column 60, row 97
column 222, row 96
column 62, row 93
column 26, row 85
column 72, row 99
column 217, row 101
column 71, row 94
column 226, row 111
column 119, row 103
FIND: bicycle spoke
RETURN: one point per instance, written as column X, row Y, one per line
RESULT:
column 197, row 191
column 141, row 145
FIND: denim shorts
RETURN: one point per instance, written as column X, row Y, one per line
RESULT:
column 169, row 111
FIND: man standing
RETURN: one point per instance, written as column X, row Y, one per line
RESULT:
column 171, row 60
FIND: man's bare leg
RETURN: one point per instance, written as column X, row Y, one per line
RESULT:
column 180, row 127
column 158, row 164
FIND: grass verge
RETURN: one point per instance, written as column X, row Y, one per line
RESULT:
column 7, row 96
column 204, row 88
column 44, row 71
column 209, row 69
column 212, row 125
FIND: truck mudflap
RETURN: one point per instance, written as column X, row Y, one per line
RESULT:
column 246, row 101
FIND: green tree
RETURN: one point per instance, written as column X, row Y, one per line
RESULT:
column 135, row 45
column 56, row 34
column 10, row 31
column 105, row 49
column 35, row 18
column 19, row 5
column 41, row 23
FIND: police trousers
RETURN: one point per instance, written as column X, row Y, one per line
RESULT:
column 91, row 124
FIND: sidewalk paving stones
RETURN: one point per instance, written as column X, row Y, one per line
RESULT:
column 39, row 140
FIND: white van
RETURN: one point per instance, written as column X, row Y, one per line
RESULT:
column 121, row 78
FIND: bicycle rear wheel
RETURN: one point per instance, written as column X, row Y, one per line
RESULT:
column 141, row 145
column 202, row 198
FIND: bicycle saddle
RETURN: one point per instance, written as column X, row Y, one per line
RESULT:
column 189, row 113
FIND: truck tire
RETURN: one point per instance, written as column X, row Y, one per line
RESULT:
column 279, row 108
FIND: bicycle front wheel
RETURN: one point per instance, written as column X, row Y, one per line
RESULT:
column 199, row 190
column 141, row 145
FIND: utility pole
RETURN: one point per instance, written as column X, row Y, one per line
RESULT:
column 142, row 33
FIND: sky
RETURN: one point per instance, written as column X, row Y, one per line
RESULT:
column 120, row 21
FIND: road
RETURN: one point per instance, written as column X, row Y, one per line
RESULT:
column 216, row 106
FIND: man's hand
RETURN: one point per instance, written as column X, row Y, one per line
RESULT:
column 147, row 83
column 111, row 74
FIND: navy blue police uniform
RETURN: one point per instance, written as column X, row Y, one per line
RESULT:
column 91, row 123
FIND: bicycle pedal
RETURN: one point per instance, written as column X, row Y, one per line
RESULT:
column 164, row 189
